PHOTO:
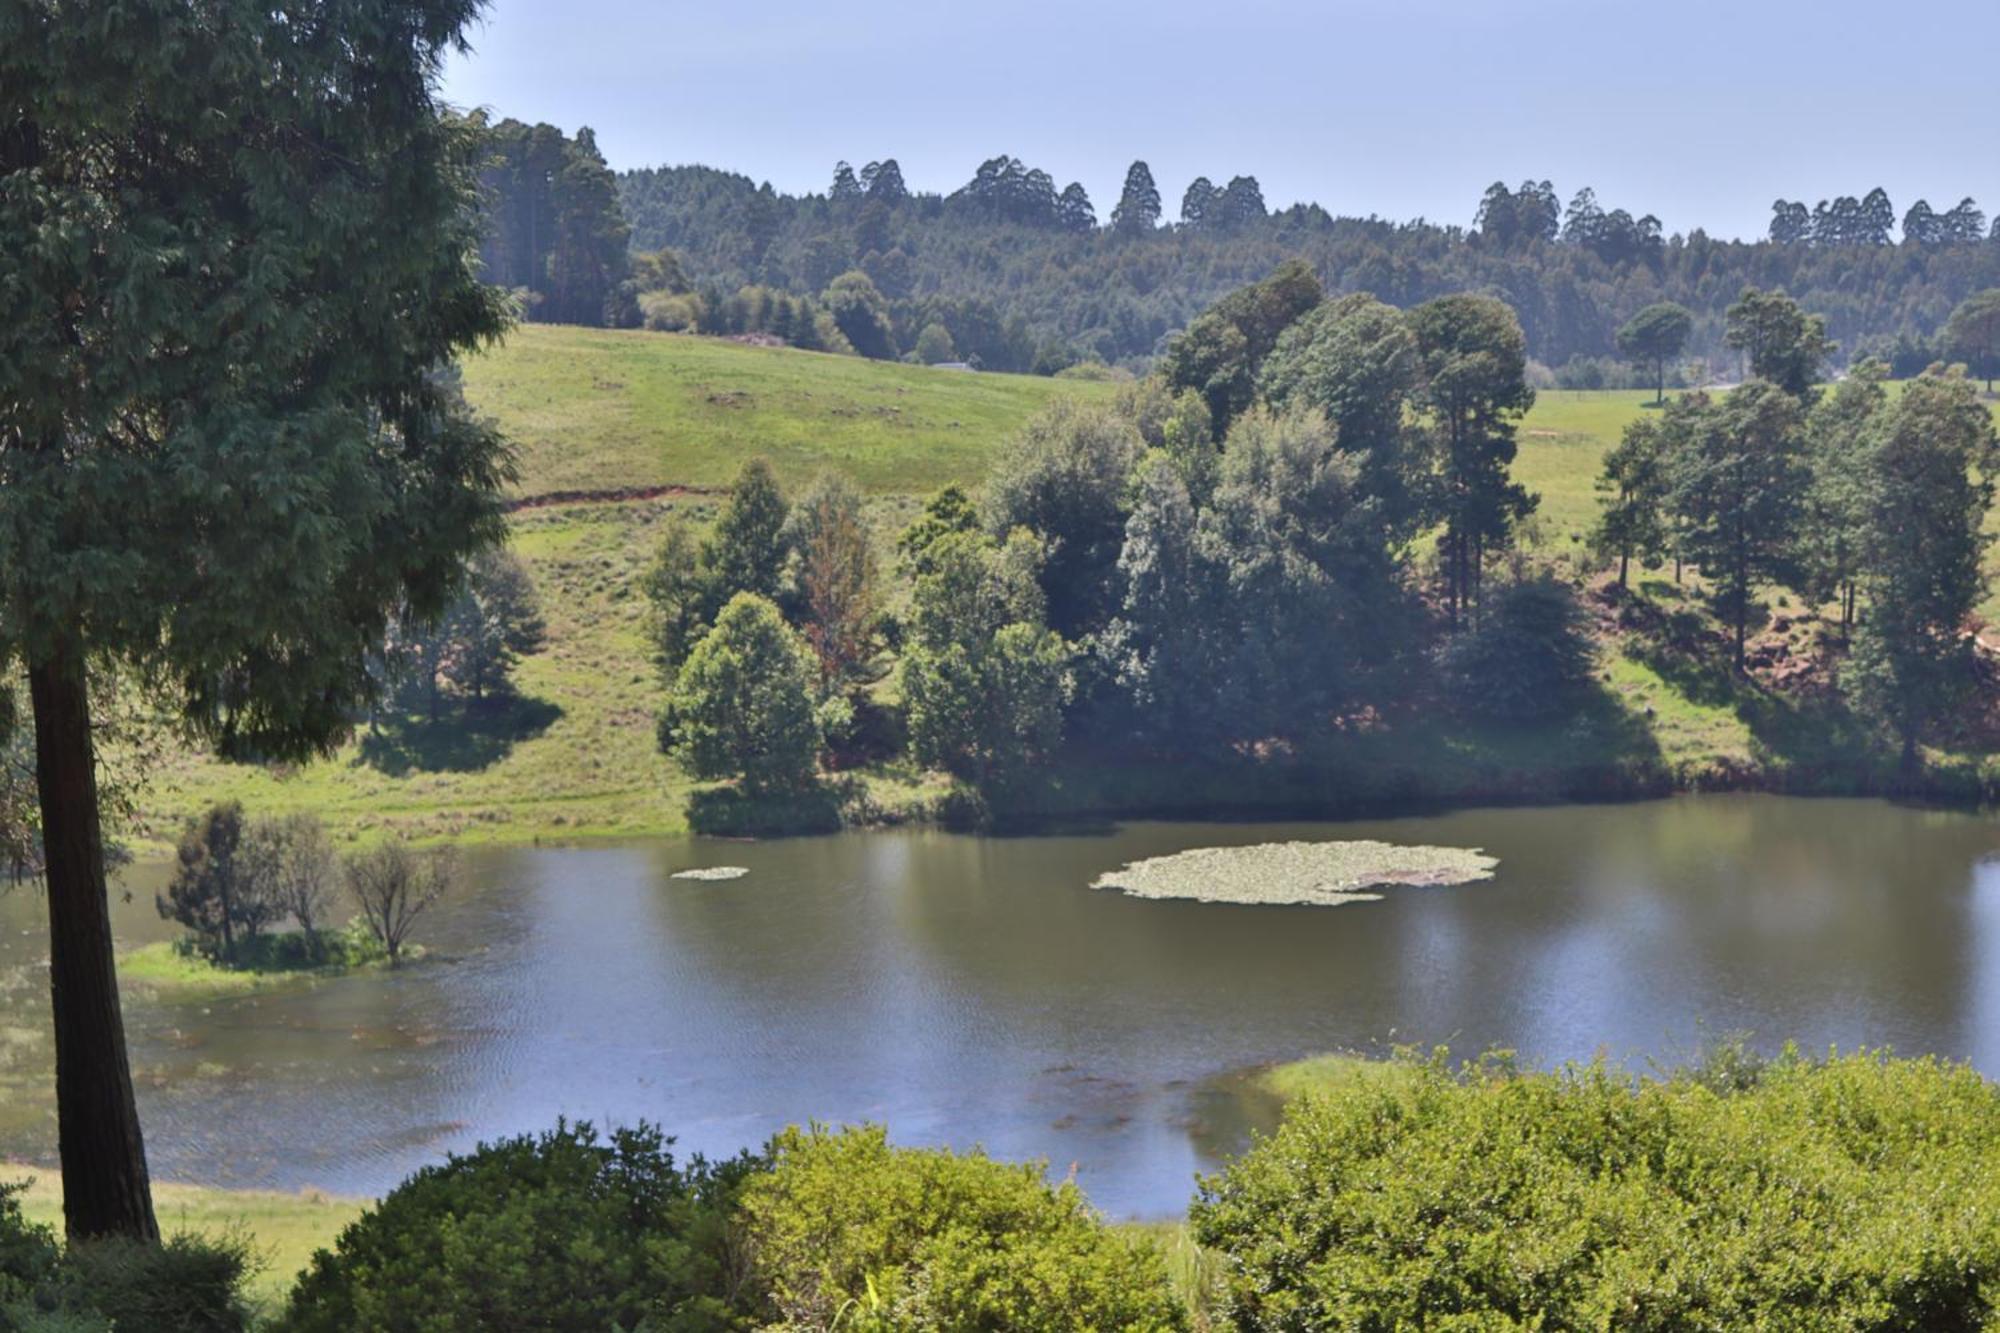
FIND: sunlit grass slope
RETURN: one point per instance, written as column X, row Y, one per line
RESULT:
column 597, row 409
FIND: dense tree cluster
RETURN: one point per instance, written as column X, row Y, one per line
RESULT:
column 1874, row 501
column 1222, row 558
column 1017, row 283
column 1309, row 516
column 762, row 629
column 235, row 876
column 1871, row 220
column 555, row 231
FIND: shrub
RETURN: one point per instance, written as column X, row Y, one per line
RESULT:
column 187, row 1285
column 845, row 1230
column 742, row 705
column 28, row 1251
column 565, row 1230
column 354, row 945
column 1526, row 660
column 1856, row 1193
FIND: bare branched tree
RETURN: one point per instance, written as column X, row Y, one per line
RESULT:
column 394, row 884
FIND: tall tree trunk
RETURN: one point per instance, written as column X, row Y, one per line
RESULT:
column 1451, row 575
column 1624, row 560
column 106, row 1191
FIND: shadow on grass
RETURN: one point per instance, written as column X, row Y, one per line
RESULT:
column 1811, row 734
column 474, row 737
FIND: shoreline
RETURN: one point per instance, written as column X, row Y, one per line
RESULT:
column 1205, row 792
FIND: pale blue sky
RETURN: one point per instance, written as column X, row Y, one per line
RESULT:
column 1700, row 111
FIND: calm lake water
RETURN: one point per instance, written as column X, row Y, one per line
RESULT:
column 977, row 990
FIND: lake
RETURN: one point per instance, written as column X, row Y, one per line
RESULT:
column 977, row 990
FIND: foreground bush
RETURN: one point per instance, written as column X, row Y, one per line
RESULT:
column 565, row 1231
column 845, row 1231
column 187, row 1285
column 1859, row 1193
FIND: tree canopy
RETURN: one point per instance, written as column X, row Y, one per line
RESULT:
column 229, row 447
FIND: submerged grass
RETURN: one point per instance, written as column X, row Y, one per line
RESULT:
column 1320, row 874
column 175, row 970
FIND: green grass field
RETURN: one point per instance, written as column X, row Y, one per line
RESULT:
column 602, row 411
column 596, row 409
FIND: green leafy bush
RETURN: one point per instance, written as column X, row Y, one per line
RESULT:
column 190, row 1284
column 565, row 1230
column 28, row 1251
column 845, row 1231
column 742, row 704
column 1528, row 659
column 353, row 945
column 1855, row 1193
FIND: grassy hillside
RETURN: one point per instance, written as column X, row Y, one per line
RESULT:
column 673, row 418
column 595, row 409
column 600, row 411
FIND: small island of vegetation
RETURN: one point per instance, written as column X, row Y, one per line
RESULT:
column 1319, row 874
column 236, row 878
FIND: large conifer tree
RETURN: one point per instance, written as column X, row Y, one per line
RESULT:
column 237, row 242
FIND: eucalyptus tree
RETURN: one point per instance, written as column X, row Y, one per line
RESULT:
column 1784, row 344
column 237, row 241
column 1301, row 571
column 1474, row 390
column 984, row 677
column 1163, row 647
column 1928, row 491
column 1138, row 210
column 1739, row 479
column 1355, row 359
column 1972, row 334
column 1066, row 477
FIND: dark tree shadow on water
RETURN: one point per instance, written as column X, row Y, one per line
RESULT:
column 462, row 740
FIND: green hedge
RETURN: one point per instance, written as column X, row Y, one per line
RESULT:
column 846, row 1232
column 1855, row 1193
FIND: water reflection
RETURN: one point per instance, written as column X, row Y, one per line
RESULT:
column 970, row 990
